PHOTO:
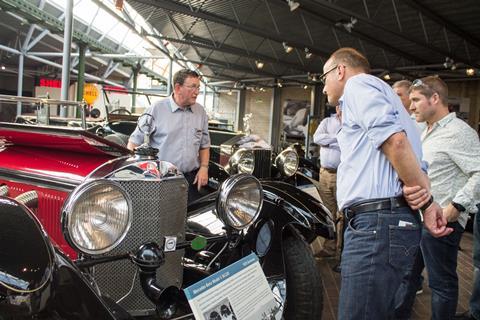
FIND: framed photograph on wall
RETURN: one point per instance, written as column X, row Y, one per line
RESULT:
column 295, row 117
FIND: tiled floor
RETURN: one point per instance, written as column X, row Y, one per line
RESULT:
column 421, row 308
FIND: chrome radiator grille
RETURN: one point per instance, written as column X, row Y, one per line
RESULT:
column 159, row 209
column 263, row 163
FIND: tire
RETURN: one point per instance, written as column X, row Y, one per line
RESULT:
column 304, row 299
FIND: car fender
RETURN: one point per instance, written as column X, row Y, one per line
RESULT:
column 286, row 211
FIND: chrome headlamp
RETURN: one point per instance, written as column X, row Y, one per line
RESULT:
column 242, row 161
column 96, row 217
column 287, row 162
column 240, row 200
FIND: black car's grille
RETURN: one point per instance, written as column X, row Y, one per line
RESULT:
column 263, row 163
column 159, row 209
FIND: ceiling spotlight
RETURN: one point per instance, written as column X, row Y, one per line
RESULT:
column 293, row 4
column 387, row 76
column 308, row 54
column 279, row 84
column 453, row 67
column 259, row 64
column 287, row 48
column 3, row 67
column 119, row 4
column 348, row 25
column 230, row 92
column 470, row 72
column 305, row 87
column 448, row 64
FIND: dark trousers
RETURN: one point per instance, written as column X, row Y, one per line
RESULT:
column 406, row 294
column 379, row 249
column 193, row 193
column 440, row 256
column 475, row 298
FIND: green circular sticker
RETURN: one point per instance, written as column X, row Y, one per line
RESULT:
column 198, row 243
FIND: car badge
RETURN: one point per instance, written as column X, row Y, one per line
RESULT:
column 170, row 244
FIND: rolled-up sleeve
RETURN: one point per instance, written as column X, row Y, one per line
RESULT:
column 205, row 142
column 322, row 136
column 375, row 113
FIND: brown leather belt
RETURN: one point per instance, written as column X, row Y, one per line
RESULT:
column 330, row 170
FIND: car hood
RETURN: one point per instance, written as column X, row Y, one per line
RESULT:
column 58, row 138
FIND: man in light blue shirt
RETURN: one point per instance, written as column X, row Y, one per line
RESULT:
column 380, row 152
column 326, row 137
column 181, row 131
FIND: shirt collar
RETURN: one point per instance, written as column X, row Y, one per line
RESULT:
column 174, row 106
column 445, row 120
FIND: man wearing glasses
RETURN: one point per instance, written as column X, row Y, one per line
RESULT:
column 452, row 150
column 181, row 131
column 380, row 153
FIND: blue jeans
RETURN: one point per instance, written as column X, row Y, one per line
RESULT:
column 440, row 255
column 475, row 298
column 412, row 281
column 379, row 248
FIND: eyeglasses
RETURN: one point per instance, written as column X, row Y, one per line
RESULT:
column 324, row 75
column 192, row 87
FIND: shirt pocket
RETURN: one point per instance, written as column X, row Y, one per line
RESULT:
column 197, row 136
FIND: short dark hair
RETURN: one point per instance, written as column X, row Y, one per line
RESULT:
column 352, row 58
column 429, row 85
column 402, row 83
column 180, row 76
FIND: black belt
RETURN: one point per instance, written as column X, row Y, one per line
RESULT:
column 374, row 205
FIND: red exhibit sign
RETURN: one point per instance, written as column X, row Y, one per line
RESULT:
column 51, row 83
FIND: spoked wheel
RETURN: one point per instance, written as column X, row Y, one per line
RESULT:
column 300, row 295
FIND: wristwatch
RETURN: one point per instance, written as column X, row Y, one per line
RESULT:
column 458, row 206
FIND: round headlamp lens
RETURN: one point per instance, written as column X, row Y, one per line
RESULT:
column 287, row 162
column 97, row 217
column 240, row 200
column 242, row 161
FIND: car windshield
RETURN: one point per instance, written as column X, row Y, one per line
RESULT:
column 40, row 111
column 121, row 103
column 116, row 105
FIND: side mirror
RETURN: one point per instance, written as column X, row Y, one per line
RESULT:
column 95, row 113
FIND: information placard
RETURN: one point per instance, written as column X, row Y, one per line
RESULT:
column 237, row 292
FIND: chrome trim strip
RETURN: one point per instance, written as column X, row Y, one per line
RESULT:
column 38, row 180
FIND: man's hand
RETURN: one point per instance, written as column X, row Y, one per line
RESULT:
column 201, row 179
column 416, row 196
column 435, row 221
column 451, row 213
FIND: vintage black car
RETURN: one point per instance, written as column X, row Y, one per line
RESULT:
column 238, row 152
column 87, row 225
